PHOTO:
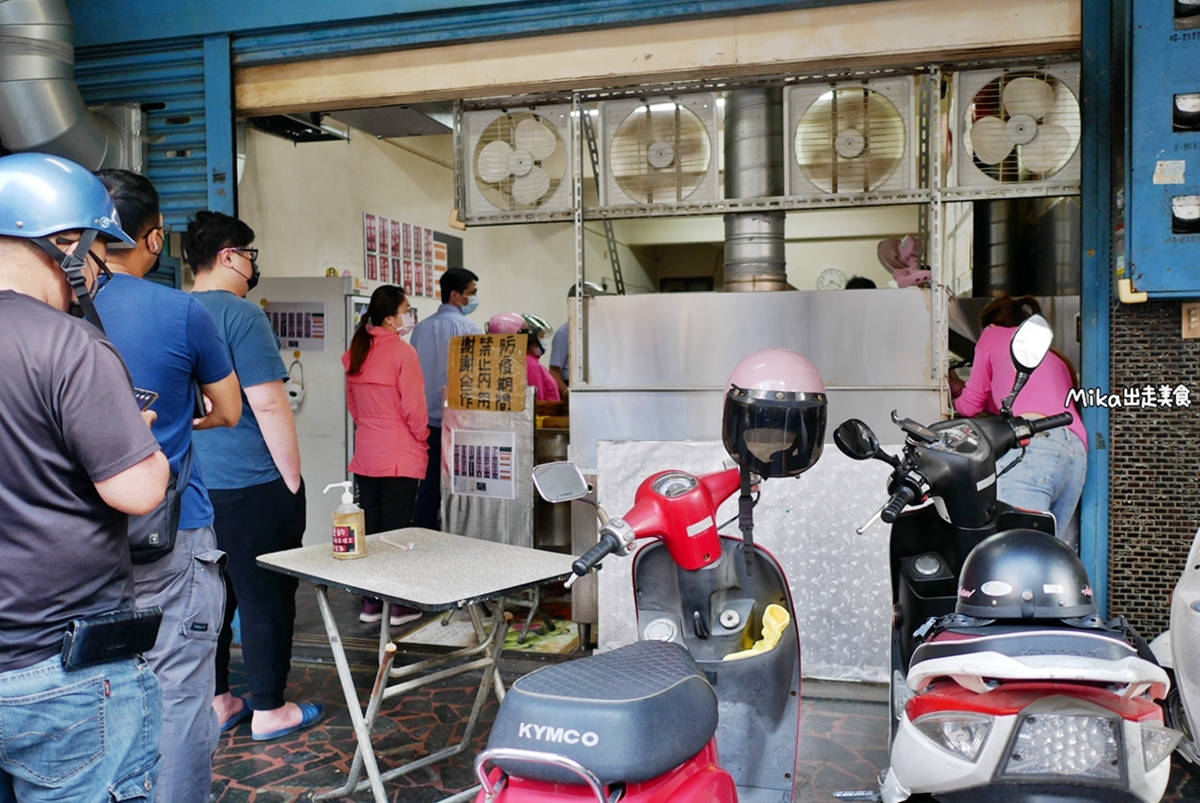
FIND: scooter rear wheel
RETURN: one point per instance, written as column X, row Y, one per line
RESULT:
column 1187, row 750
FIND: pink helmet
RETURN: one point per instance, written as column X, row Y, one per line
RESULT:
column 506, row 323
column 775, row 411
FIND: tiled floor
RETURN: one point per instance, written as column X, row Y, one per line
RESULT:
column 843, row 741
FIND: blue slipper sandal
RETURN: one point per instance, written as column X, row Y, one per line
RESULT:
column 311, row 714
column 237, row 718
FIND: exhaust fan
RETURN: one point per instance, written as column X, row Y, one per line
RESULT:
column 1018, row 126
column 517, row 162
column 659, row 151
column 850, row 138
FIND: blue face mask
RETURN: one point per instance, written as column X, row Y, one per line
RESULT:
column 472, row 305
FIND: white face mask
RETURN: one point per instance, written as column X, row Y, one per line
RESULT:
column 408, row 322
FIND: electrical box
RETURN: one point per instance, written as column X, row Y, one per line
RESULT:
column 1163, row 204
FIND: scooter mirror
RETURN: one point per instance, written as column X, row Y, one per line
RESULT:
column 1030, row 343
column 560, row 482
column 856, row 440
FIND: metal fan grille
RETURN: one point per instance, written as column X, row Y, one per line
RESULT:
column 850, row 139
column 519, row 161
column 1022, row 126
column 660, row 152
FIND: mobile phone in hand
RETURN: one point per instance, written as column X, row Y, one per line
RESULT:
column 145, row 398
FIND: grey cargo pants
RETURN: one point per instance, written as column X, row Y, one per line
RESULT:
column 188, row 584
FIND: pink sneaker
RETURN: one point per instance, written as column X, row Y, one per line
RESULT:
column 372, row 610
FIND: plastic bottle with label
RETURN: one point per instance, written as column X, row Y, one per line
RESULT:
column 349, row 525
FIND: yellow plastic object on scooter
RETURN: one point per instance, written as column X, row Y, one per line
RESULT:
column 775, row 621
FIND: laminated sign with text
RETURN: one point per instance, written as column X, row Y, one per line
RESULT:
column 487, row 372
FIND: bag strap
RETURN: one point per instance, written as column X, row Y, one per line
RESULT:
column 185, row 468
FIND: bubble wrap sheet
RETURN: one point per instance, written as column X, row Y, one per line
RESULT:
column 839, row 579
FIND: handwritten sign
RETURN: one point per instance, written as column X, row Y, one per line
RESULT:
column 487, row 372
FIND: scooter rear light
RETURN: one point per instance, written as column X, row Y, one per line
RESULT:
column 1055, row 745
column 962, row 735
column 1157, row 744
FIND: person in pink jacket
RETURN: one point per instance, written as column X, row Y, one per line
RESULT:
column 1052, row 473
column 385, row 391
column 536, row 375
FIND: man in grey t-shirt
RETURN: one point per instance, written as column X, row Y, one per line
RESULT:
column 78, row 459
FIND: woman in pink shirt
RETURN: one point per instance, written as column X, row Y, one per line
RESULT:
column 385, row 391
column 536, row 374
column 1051, row 475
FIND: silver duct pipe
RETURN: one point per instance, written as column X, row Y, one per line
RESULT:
column 41, row 108
column 754, row 244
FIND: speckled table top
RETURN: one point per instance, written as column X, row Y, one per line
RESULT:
column 426, row 569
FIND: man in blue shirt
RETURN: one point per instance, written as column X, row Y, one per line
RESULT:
column 253, row 476
column 431, row 339
column 170, row 342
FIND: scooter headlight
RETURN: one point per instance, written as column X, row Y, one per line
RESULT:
column 962, row 735
column 1066, row 744
column 1157, row 744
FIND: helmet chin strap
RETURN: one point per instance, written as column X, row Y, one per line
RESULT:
column 72, row 265
column 746, row 518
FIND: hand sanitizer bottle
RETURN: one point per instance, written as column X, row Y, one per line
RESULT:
column 349, row 525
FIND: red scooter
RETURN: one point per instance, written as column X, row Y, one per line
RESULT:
column 706, row 706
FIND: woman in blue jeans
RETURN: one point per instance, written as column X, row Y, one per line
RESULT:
column 1051, row 474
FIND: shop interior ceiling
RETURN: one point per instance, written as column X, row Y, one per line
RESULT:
column 1004, row 129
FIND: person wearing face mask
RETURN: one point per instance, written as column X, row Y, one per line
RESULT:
column 253, row 476
column 170, row 342
column 431, row 339
column 536, row 375
column 77, row 460
column 385, row 391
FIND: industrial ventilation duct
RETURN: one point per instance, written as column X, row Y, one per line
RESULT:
column 754, row 243
column 41, row 108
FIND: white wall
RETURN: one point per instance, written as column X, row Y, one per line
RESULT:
column 306, row 205
column 817, row 239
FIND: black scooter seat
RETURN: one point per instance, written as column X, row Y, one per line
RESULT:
column 627, row 715
column 1019, row 641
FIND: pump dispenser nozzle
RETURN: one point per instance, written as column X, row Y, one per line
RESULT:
column 347, row 495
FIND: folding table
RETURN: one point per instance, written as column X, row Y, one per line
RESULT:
column 432, row 571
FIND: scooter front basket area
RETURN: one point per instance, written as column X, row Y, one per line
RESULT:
column 758, row 696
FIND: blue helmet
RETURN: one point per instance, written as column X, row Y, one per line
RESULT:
column 41, row 195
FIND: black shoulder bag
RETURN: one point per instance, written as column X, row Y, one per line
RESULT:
column 152, row 535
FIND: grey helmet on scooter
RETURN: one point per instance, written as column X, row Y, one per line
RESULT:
column 1024, row 574
column 775, row 411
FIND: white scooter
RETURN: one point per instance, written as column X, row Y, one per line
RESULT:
column 1006, row 684
column 1178, row 650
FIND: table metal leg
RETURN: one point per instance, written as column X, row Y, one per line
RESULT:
column 361, row 729
column 381, row 678
column 492, row 648
column 498, row 618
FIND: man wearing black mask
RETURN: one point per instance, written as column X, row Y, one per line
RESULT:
column 171, row 344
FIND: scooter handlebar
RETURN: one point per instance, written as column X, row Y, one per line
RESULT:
column 1050, row 422
column 607, row 545
column 900, row 500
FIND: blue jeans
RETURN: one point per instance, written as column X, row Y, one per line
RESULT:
column 1049, row 478
column 85, row 736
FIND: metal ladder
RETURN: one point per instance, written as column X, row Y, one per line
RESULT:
column 610, row 240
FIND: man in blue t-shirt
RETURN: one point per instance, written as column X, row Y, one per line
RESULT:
column 171, row 343
column 253, row 476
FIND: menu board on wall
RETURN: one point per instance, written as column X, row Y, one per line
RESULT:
column 298, row 325
column 482, row 463
column 412, row 256
column 487, row 372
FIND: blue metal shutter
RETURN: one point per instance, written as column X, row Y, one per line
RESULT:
column 189, row 120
